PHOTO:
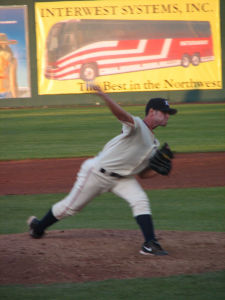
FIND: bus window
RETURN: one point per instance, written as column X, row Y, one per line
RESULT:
column 68, row 40
column 68, row 43
column 202, row 29
column 53, row 42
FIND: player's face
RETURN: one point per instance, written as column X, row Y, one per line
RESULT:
column 160, row 118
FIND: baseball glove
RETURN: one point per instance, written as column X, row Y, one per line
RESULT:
column 161, row 162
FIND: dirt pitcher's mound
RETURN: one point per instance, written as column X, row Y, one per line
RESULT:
column 91, row 255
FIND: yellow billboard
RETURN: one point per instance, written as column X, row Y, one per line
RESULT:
column 128, row 45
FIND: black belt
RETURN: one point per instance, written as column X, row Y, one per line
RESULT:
column 113, row 174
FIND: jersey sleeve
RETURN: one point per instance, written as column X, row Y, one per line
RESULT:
column 127, row 128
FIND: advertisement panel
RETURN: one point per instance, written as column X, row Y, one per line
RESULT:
column 128, row 46
column 14, row 53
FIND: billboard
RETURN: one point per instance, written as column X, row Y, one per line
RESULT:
column 129, row 46
column 14, row 53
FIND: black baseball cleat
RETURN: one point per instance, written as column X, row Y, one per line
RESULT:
column 34, row 231
column 153, row 248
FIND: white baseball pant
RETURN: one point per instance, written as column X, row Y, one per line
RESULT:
column 91, row 183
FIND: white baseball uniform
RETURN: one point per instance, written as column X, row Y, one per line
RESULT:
column 113, row 170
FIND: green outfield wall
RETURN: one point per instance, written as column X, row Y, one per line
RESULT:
column 124, row 98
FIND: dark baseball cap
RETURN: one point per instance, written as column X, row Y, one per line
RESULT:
column 159, row 104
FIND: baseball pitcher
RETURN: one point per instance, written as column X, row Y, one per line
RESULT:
column 135, row 151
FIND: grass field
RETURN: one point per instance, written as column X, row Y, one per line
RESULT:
column 70, row 132
column 206, row 286
column 197, row 209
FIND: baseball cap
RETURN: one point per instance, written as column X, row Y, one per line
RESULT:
column 160, row 104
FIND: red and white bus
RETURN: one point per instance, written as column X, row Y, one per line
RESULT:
column 89, row 48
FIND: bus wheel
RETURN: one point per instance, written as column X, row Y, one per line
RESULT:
column 195, row 59
column 185, row 60
column 89, row 72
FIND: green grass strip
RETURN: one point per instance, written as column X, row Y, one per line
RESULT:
column 69, row 132
column 196, row 209
column 206, row 286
